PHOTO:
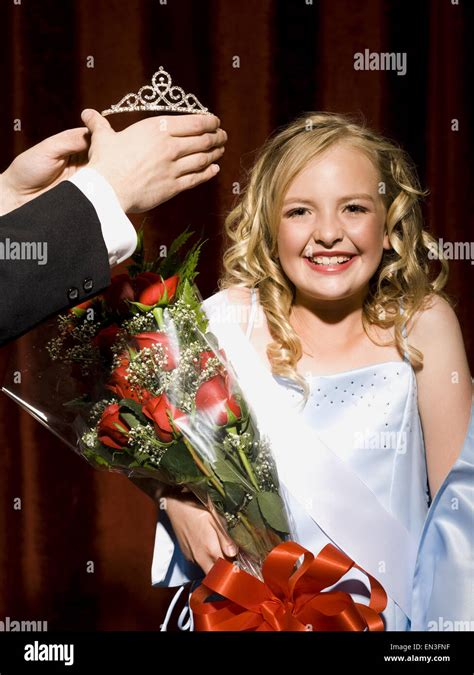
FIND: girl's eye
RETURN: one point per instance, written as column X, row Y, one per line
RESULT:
column 356, row 208
column 296, row 212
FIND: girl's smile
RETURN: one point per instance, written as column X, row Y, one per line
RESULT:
column 330, row 263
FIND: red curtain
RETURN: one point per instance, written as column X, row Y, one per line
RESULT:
column 292, row 57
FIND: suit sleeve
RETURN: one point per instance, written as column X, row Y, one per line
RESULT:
column 52, row 257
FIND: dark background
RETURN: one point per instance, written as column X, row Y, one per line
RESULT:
column 294, row 57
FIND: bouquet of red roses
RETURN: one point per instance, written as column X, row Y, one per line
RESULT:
column 153, row 395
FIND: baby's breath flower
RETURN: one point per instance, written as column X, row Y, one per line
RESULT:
column 90, row 439
column 147, row 369
column 98, row 408
column 140, row 323
column 142, row 440
column 74, row 343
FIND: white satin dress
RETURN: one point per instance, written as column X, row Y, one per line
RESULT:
column 369, row 418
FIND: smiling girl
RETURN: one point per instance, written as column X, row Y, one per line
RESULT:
column 329, row 273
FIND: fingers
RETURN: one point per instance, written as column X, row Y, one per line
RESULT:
column 197, row 162
column 181, row 147
column 191, row 180
column 94, row 120
column 207, row 557
column 191, row 125
column 226, row 544
column 68, row 142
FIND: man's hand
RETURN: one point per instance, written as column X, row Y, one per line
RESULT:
column 42, row 167
column 147, row 163
column 155, row 159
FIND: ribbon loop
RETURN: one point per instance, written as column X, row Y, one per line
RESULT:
column 289, row 599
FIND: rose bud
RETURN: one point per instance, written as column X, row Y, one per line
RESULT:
column 213, row 398
column 119, row 291
column 119, row 384
column 205, row 356
column 147, row 340
column 107, row 431
column 150, row 287
column 156, row 410
column 105, row 339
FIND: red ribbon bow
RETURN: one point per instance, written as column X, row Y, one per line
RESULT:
column 287, row 600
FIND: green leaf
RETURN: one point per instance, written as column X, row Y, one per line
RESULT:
column 188, row 268
column 216, row 498
column 179, row 241
column 120, row 427
column 273, row 510
column 135, row 408
column 254, row 514
column 83, row 401
column 130, row 419
column 158, row 314
column 225, row 470
column 242, row 537
column 189, row 294
column 168, row 266
column 231, row 418
column 234, row 496
column 180, row 465
column 144, row 308
column 94, row 458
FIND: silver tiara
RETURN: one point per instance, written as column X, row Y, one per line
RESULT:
column 160, row 95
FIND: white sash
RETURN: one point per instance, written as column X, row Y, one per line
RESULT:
column 326, row 487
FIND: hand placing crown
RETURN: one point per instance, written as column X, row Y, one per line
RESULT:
column 161, row 95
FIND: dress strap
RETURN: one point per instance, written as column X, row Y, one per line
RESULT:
column 253, row 312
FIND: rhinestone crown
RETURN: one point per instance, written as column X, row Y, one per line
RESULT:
column 160, row 95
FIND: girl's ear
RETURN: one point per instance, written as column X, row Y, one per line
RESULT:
column 386, row 242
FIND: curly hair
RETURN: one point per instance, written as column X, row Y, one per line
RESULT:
column 250, row 259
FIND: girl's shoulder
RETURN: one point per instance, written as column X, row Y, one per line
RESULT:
column 436, row 322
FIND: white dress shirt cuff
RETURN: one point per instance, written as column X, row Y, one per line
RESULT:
column 118, row 232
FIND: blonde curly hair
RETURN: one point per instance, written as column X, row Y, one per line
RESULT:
column 251, row 261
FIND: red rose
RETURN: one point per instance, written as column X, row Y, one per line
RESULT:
column 205, row 356
column 119, row 384
column 147, row 340
column 213, row 398
column 156, row 410
column 119, row 291
column 151, row 288
column 108, row 432
column 105, row 338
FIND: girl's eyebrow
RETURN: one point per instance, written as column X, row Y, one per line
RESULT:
column 360, row 195
column 346, row 198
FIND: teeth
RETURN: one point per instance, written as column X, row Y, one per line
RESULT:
column 326, row 260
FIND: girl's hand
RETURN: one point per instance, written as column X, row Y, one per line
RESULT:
column 201, row 538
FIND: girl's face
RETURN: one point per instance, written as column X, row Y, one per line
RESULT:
column 332, row 229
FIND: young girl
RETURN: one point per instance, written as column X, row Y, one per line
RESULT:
column 329, row 271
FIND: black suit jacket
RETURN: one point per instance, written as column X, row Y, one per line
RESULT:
column 77, row 266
